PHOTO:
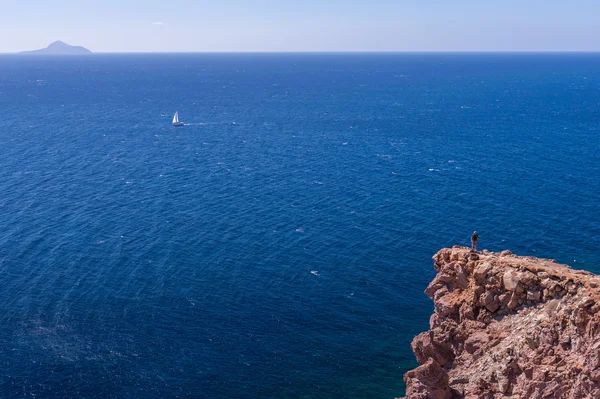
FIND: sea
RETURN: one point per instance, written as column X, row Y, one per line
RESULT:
column 277, row 245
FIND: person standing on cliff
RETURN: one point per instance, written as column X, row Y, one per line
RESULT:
column 474, row 239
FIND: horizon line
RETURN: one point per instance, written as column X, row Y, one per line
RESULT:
column 26, row 52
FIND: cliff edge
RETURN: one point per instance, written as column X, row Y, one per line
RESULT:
column 507, row 326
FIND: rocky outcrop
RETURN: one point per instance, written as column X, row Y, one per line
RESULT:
column 506, row 326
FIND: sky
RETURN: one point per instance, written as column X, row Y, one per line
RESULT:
column 302, row 25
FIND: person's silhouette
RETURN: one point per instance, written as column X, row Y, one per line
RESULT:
column 474, row 239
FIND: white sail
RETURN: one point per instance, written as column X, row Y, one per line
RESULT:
column 176, row 117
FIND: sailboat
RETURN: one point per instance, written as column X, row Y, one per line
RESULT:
column 176, row 122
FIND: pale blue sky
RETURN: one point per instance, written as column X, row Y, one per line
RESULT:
column 308, row 25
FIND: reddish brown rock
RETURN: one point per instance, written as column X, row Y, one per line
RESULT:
column 508, row 327
column 429, row 381
column 476, row 341
column 426, row 346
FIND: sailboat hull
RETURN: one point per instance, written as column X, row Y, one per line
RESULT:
column 177, row 124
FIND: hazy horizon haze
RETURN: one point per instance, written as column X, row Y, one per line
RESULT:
column 273, row 26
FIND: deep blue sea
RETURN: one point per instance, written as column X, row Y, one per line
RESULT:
column 278, row 245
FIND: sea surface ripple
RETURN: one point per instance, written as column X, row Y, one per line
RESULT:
column 278, row 245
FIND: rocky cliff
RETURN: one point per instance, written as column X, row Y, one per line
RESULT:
column 507, row 326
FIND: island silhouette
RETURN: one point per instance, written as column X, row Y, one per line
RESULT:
column 59, row 48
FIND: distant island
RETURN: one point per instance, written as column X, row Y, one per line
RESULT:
column 60, row 48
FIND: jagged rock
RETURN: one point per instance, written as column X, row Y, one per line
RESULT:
column 490, row 301
column 513, row 301
column 511, row 280
column 461, row 277
column 425, row 346
column 476, row 341
column 508, row 326
column 434, row 287
column 445, row 306
column 429, row 381
column 481, row 272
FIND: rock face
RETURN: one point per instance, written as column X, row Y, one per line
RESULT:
column 508, row 327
